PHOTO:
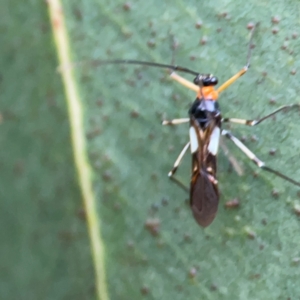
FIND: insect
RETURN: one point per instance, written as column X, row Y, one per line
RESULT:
column 205, row 122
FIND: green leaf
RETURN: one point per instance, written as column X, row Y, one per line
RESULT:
column 250, row 252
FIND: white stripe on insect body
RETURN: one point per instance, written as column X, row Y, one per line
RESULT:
column 193, row 140
column 213, row 145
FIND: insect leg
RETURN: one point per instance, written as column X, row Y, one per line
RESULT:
column 175, row 121
column 231, row 80
column 190, row 85
column 179, row 159
column 255, row 122
column 233, row 161
column 175, row 167
column 179, row 183
column 256, row 160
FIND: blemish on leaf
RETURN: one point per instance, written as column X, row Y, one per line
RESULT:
column 203, row 41
column 272, row 151
column 254, row 138
column 250, row 233
column 127, row 6
column 154, row 207
column 107, row 176
column 19, row 168
column 81, row 214
column 275, row 193
column 145, row 290
column 130, row 244
column 254, row 276
column 284, row 45
column 151, row 43
column 134, row 114
column 234, row 203
column 187, row 238
column 264, row 221
column 244, row 138
column 275, row 20
column 198, row 24
column 192, row 272
column 153, row 226
column 294, row 35
column 250, row 25
column 296, row 209
column 296, row 260
column 164, row 201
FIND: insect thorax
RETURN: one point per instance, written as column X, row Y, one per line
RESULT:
column 204, row 111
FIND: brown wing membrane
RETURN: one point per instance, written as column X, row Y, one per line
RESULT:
column 204, row 194
column 204, row 198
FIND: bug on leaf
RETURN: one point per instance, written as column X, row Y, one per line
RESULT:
column 205, row 122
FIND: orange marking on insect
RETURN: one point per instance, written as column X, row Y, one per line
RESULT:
column 208, row 92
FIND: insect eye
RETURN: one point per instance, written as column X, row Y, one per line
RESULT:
column 198, row 80
column 209, row 81
column 214, row 80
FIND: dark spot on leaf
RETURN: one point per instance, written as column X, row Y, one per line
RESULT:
column 107, row 176
column 254, row 138
column 294, row 35
column 187, row 238
column 81, row 214
column 250, row 25
column 264, row 221
column 284, row 46
column 145, row 290
column 296, row 260
column 275, row 20
column 203, row 41
column 232, row 203
column 154, row 207
column 154, row 176
column 94, row 133
column 127, row 6
column 198, row 24
column 272, row 151
column 151, row 136
column 275, row 193
column 19, row 168
column 164, row 201
column 296, row 209
column 134, row 114
column 130, row 244
column 153, row 226
column 117, row 206
column 192, row 272
column 151, row 43
column 254, row 276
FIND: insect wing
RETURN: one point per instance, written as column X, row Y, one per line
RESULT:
column 204, row 194
column 204, row 199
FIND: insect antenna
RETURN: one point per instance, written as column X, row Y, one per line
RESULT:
column 131, row 62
